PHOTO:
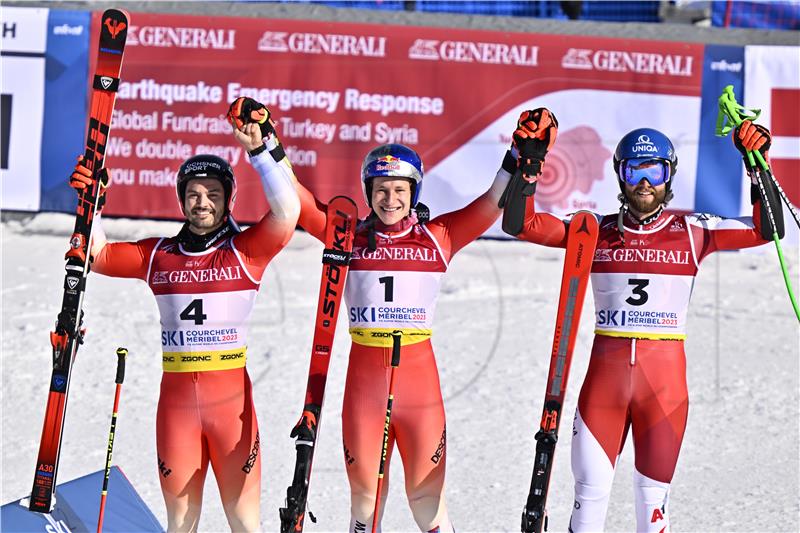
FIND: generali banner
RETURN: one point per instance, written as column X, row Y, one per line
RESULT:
column 337, row 90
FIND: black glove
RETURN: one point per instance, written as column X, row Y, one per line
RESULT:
column 82, row 177
column 535, row 134
column 749, row 136
column 306, row 427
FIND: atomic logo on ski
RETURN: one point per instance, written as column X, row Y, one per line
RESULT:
column 583, row 228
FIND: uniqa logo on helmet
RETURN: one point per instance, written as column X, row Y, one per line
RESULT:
column 644, row 144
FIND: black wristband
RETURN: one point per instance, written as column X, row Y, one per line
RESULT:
column 257, row 151
column 509, row 164
column 277, row 153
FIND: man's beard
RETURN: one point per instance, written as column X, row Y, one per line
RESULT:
column 646, row 205
column 204, row 223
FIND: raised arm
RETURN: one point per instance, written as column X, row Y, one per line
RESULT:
column 119, row 260
column 458, row 228
column 535, row 135
column 255, row 132
column 312, row 212
column 712, row 233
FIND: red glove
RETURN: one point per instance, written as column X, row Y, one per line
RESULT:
column 82, row 177
column 245, row 110
column 535, row 134
column 749, row 137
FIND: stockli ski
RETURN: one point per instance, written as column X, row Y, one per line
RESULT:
column 342, row 216
column 68, row 334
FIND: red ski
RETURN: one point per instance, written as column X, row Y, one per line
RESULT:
column 581, row 242
column 68, row 334
column 341, row 226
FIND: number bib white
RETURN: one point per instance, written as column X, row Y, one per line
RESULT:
column 205, row 301
column 394, row 287
column 641, row 305
column 642, row 288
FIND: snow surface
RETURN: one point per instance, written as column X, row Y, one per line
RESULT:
column 739, row 466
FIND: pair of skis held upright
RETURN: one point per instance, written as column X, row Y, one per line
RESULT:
column 68, row 334
column 342, row 217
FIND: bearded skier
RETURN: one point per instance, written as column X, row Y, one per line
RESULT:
column 642, row 278
column 205, row 280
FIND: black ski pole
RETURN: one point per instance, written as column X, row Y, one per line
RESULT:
column 396, row 336
column 122, row 353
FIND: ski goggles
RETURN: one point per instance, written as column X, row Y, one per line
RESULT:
column 655, row 171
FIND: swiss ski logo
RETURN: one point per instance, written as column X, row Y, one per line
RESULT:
column 106, row 82
column 114, row 27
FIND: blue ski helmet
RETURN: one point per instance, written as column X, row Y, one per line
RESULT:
column 207, row 166
column 392, row 160
column 645, row 143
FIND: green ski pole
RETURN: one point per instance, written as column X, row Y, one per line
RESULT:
column 735, row 114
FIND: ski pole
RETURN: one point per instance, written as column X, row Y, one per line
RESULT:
column 122, row 353
column 736, row 114
column 396, row 336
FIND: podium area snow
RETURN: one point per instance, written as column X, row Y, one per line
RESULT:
column 494, row 323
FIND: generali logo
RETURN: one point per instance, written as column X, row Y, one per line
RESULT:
column 472, row 52
column 323, row 43
column 624, row 61
column 173, row 37
column 642, row 255
column 206, row 275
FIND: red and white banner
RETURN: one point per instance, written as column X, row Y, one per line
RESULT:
column 337, row 90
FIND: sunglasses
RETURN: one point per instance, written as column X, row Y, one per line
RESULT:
column 655, row 171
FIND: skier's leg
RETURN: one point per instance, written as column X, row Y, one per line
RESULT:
column 182, row 453
column 658, row 414
column 231, row 430
column 363, row 418
column 419, row 422
column 599, row 431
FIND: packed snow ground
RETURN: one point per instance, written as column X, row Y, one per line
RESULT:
column 738, row 469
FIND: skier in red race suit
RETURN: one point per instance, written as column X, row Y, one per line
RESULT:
column 205, row 280
column 393, row 283
column 642, row 278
